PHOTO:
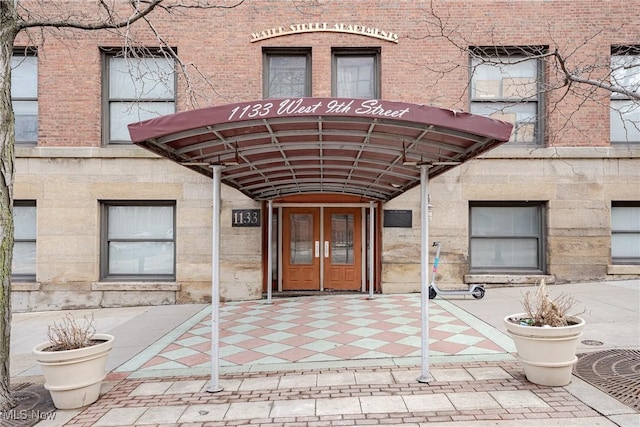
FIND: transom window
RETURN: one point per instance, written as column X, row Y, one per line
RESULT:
column 625, row 111
column 138, row 240
column 356, row 73
column 137, row 87
column 625, row 233
column 24, row 95
column 504, row 85
column 507, row 237
column 287, row 73
column 24, row 249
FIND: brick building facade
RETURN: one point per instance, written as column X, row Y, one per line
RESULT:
column 102, row 222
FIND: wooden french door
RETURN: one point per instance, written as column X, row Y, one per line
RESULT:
column 300, row 249
column 342, row 249
column 336, row 250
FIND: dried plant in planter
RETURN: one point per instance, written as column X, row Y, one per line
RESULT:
column 68, row 334
column 542, row 310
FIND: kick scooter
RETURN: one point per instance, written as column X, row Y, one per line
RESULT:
column 476, row 290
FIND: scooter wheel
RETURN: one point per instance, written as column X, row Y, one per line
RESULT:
column 432, row 292
column 478, row 293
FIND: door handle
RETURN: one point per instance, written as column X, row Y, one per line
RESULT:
column 317, row 249
column 326, row 249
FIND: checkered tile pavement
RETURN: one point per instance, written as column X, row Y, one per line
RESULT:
column 312, row 329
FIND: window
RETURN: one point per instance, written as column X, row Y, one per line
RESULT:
column 356, row 73
column 24, row 248
column 287, row 73
column 625, row 233
column 507, row 237
column 504, row 85
column 24, row 95
column 138, row 240
column 625, row 112
column 136, row 88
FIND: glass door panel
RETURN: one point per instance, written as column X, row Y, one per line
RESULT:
column 342, row 239
column 301, row 241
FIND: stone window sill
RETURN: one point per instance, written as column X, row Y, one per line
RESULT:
column 623, row 269
column 508, row 279
column 135, row 286
column 25, row 286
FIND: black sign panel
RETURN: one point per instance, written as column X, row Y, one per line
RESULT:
column 245, row 217
column 398, row 218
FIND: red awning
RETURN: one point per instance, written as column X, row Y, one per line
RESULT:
column 278, row 147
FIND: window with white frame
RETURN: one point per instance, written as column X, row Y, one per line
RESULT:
column 24, row 248
column 356, row 73
column 137, row 87
column 507, row 237
column 287, row 73
column 24, row 95
column 505, row 86
column 625, row 110
column 625, row 233
column 138, row 240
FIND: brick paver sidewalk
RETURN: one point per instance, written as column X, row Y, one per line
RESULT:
column 387, row 395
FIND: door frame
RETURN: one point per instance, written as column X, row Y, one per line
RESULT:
column 324, row 201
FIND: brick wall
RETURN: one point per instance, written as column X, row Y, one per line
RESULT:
column 423, row 67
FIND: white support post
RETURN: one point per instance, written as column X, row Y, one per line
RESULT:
column 372, row 222
column 424, row 273
column 279, row 231
column 269, row 251
column 214, row 386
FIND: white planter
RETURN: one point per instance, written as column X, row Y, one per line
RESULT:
column 73, row 377
column 547, row 354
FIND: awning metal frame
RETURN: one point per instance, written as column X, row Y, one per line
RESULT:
column 363, row 154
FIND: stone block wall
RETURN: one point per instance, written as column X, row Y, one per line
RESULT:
column 68, row 230
column 578, row 188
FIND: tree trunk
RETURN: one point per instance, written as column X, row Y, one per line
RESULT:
column 8, row 31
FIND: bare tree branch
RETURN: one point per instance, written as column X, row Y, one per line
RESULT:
column 574, row 75
column 110, row 23
column 36, row 20
column 140, row 9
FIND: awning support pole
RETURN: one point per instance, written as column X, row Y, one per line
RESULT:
column 214, row 387
column 372, row 222
column 269, row 250
column 424, row 273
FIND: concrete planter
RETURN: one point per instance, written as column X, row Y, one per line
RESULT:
column 74, row 377
column 547, row 353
